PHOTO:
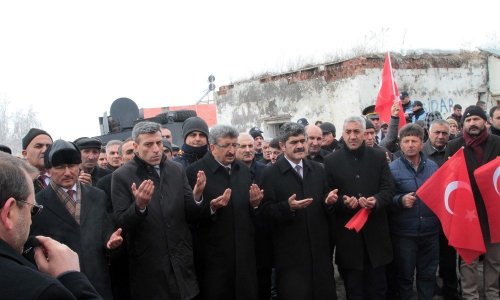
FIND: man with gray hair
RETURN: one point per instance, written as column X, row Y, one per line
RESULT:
column 298, row 203
column 113, row 156
column 153, row 202
column 224, row 248
column 364, row 182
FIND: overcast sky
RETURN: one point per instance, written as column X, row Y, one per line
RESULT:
column 69, row 60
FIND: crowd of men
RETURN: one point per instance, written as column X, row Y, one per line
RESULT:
column 232, row 215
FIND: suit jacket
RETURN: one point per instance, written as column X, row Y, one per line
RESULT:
column 300, row 238
column 363, row 172
column 88, row 238
column 98, row 173
column 159, row 243
column 19, row 279
column 224, row 241
column 491, row 151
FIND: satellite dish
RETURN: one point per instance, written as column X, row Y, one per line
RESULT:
column 124, row 112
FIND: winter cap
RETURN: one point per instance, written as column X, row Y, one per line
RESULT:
column 418, row 103
column 166, row 144
column 194, row 124
column 33, row 133
column 303, row 122
column 474, row 110
column 369, row 124
column 88, row 143
column 62, row 152
column 5, row 149
column 255, row 132
column 432, row 116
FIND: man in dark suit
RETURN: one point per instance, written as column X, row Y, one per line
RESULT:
column 363, row 179
column 153, row 203
column 58, row 275
column 295, row 200
column 90, row 171
column 224, row 249
column 480, row 147
column 75, row 214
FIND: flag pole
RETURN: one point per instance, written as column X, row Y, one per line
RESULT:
column 392, row 77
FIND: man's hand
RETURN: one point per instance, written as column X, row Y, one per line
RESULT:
column 298, row 204
column 201, row 181
column 54, row 258
column 367, row 203
column 144, row 193
column 408, row 200
column 221, row 201
column 395, row 108
column 332, row 197
column 115, row 240
column 350, row 202
column 85, row 178
column 256, row 195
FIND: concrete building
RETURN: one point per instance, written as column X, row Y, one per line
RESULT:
column 333, row 91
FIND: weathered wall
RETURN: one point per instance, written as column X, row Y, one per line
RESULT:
column 335, row 91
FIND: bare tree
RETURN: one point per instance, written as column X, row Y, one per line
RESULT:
column 14, row 126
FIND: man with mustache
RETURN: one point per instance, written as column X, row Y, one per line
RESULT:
column 364, row 181
column 297, row 202
column 153, row 203
column 480, row 147
column 224, row 248
column 35, row 143
column 90, row 172
column 246, row 154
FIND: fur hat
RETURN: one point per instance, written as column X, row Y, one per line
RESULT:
column 32, row 133
column 62, row 152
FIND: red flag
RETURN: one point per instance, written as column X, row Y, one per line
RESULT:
column 388, row 92
column 487, row 181
column 455, row 209
column 358, row 220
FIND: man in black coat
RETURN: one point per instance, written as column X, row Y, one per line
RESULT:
column 58, row 275
column 480, row 147
column 363, row 179
column 314, row 141
column 152, row 202
column 75, row 214
column 295, row 200
column 89, row 149
column 224, row 251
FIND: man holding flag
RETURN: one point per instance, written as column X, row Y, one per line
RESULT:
column 480, row 148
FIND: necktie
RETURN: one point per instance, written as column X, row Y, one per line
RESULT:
column 376, row 139
column 71, row 193
column 42, row 178
column 298, row 170
column 157, row 169
column 228, row 170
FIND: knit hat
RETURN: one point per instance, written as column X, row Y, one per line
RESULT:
column 327, row 127
column 62, row 152
column 194, row 124
column 88, row 143
column 255, row 132
column 32, row 133
column 432, row 116
column 474, row 110
column 452, row 121
column 5, row 149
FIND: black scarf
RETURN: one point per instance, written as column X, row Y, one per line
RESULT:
column 192, row 154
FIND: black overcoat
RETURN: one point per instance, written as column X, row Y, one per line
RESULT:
column 361, row 173
column 224, row 246
column 159, row 243
column 300, row 239
column 88, row 238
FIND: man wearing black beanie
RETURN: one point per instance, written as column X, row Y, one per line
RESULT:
column 35, row 143
column 480, row 147
column 195, row 133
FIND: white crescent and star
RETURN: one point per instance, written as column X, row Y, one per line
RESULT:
column 454, row 185
column 496, row 174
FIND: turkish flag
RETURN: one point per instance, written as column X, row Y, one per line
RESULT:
column 449, row 195
column 387, row 94
column 487, row 181
column 358, row 220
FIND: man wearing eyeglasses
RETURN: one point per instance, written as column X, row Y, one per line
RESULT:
column 75, row 214
column 224, row 249
column 58, row 275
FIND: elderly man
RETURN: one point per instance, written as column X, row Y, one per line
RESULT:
column 256, row 133
column 296, row 202
column 363, row 179
column 246, row 154
column 314, row 137
column 58, row 275
column 480, row 147
column 76, row 215
column 224, row 248
column 195, row 133
column 153, row 202
column 89, row 150
column 35, row 143
column 113, row 155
